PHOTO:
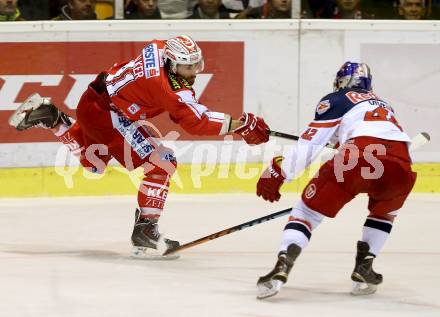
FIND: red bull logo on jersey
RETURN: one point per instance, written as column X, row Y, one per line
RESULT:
column 151, row 61
column 357, row 97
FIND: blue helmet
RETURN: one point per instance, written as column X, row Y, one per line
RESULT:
column 353, row 75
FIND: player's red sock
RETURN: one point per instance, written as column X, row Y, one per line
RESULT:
column 151, row 196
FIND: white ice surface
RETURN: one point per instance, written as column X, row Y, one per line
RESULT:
column 70, row 257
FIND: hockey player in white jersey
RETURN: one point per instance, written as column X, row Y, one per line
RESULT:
column 373, row 158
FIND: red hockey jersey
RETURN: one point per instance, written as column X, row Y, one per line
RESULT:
column 143, row 88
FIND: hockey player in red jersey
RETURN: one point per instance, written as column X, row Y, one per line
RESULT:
column 111, row 122
column 372, row 156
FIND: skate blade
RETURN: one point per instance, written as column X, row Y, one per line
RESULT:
column 32, row 102
column 268, row 289
column 359, row 289
column 142, row 253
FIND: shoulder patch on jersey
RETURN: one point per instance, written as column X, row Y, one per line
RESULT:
column 150, row 56
column 332, row 106
column 323, row 106
column 177, row 82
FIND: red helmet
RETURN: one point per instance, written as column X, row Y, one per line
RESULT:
column 183, row 50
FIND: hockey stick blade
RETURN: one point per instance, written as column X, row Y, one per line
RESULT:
column 419, row 140
column 426, row 135
column 230, row 230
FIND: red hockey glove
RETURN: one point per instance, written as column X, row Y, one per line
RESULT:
column 254, row 130
column 269, row 184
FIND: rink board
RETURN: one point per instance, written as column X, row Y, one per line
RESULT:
column 220, row 178
column 278, row 69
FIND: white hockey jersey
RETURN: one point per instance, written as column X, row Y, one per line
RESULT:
column 341, row 116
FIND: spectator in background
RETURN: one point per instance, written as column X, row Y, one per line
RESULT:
column 236, row 6
column 379, row 9
column 55, row 7
column 350, row 9
column 433, row 10
column 32, row 10
column 347, row 9
column 272, row 9
column 319, row 9
column 412, row 9
column 209, row 9
column 9, row 11
column 78, row 10
column 176, row 9
column 142, row 9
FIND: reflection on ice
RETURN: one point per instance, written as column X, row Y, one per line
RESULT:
column 71, row 257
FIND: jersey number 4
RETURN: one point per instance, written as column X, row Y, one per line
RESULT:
column 381, row 114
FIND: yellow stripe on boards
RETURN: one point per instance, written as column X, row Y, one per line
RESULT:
column 189, row 179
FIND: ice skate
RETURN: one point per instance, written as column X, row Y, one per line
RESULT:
column 271, row 283
column 37, row 111
column 365, row 280
column 148, row 243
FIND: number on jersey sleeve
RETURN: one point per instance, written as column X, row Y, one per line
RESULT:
column 309, row 134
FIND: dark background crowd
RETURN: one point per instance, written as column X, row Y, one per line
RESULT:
column 19, row 10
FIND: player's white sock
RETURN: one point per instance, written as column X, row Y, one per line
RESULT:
column 297, row 233
column 299, row 228
column 375, row 232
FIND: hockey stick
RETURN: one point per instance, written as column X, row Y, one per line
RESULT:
column 229, row 231
column 291, row 137
column 284, row 135
column 418, row 141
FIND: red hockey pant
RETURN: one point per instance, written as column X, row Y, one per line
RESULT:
column 335, row 184
column 101, row 133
